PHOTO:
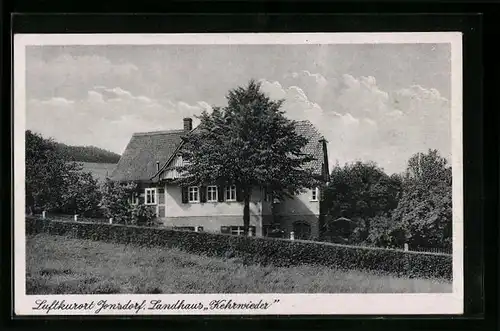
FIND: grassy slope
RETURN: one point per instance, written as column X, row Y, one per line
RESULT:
column 100, row 171
column 63, row 265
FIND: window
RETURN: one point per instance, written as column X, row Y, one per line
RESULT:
column 150, row 196
column 236, row 230
column 211, row 193
column 230, row 193
column 134, row 199
column 193, row 195
column 184, row 228
column 315, row 194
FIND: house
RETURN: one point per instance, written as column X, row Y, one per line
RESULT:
column 150, row 160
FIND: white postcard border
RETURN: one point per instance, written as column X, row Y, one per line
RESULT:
column 287, row 304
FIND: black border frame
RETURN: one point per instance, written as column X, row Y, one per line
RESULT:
column 478, row 191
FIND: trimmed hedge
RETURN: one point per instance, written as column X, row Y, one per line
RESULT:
column 252, row 250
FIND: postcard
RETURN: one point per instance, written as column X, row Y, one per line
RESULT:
column 238, row 174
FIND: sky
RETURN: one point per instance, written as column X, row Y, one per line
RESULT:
column 372, row 102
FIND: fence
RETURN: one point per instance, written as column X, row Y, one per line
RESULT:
column 431, row 250
column 256, row 250
column 63, row 217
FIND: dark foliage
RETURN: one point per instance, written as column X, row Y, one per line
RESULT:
column 87, row 154
column 359, row 192
column 54, row 184
column 424, row 215
column 256, row 250
column 249, row 143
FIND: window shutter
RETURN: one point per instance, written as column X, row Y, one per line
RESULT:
column 239, row 194
column 220, row 193
column 184, row 194
column 203, row 194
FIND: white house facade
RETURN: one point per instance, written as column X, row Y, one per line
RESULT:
column 150, row 159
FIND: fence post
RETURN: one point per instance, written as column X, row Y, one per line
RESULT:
column 44, row 213
column 250, row 234
column 292, row 235
column 195, row 229
column 111, row 220
column 406, row 246
column 76, row 217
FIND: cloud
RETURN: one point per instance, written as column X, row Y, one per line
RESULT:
column 107, row 117
column 315, row 85
column 364, row 122
column 92, row 100
column 73, row 75
column 57, row 102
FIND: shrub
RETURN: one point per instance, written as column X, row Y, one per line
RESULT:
column 81, row 195
column 115, row 201
column 265, row 251
column 142, row 215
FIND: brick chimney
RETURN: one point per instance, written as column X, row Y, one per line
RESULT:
column 188, row 124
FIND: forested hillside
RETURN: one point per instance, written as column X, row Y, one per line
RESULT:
column 88, row 154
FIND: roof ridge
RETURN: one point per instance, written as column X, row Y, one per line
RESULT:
column 150, row 133
column 313, row 127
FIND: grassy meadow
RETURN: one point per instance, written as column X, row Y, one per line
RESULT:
column 61, row 265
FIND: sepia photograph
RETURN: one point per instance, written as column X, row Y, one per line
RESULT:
column 238, row 173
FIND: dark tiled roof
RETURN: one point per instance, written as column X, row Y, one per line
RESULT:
column 138, row 162
column 314, row 146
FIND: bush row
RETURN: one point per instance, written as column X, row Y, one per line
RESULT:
column 256, row 250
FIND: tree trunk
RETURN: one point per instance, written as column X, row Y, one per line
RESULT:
column 246, row 210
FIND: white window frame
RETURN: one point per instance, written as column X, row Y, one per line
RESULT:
column 153, row 193
column 215, row 197
column 197, row 194
column 236, row 230
column 315, row 194
column 230, row 189
column 134, row 199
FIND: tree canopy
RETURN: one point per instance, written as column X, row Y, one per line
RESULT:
column 54, row 183
column 360, row 191
column 87, row 154
column 424, row 212
column 248, row 143
column 414, row 207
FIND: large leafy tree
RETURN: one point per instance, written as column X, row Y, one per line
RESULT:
column 82, row 194
column 249, row 143
column 55, row 183
column 47, row 173
column 361, row 191
column 424, row 213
